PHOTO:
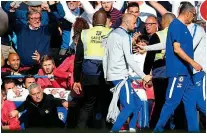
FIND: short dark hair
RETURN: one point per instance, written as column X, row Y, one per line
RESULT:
column 185, row 6
column 7, row 81
column 28, row 76
column 133, row 4
column 143, row 37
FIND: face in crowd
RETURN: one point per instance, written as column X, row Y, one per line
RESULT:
column 9, row 86
column 36, row 94
column 48, row 66
column 14, row 61
column 151, row 25
column 34, row 20
column 190, row 15
column 72, row 5
column 107, row 5
column 142, row 42
column 134, row 11
column 29, row 81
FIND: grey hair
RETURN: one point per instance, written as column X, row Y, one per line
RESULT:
column 153, row 16
column 185, row 6
column 32, row 86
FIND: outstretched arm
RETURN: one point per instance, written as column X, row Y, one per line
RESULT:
column 158, row 7
column 179, row 51
column 68, row 14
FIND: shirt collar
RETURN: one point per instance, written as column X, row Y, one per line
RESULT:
column 30, row 27
column 123, row 29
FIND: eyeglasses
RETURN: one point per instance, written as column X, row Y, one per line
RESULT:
column 37, row 18
column 194, row 14
column 150, row 24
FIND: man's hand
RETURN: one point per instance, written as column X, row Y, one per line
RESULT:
column 36, row 56
column 134, row 38
column 77, row 87
column 147, row 80
column 178, row 50
column 16, row 73
column 141, row 49
column 60, row 30
column 16, row 90
column 13, row 114
column 5, row 127
column 65, row 104
column 197, row 66
column 13, row 6
column 45, row 7
column 51, row 77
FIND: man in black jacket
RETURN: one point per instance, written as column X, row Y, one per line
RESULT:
column 41, row 109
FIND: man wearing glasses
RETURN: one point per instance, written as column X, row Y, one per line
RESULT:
column 151, row 25
column 35, row 35
column 179, row 70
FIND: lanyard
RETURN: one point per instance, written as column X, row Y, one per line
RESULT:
column 195, row 25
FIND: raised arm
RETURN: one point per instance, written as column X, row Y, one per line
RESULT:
column 158, row 7
column 88, row 8
column 179, row 51
column 68, row 14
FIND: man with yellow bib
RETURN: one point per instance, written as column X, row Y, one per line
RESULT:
column 89, row 76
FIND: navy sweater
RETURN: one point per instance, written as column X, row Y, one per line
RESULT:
column 30, row 40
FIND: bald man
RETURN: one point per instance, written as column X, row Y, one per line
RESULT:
column 116, row 61
column 88, row 70
column 14, row 66
column 3, row 22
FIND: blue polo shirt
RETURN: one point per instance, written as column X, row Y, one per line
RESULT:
column 175, row 66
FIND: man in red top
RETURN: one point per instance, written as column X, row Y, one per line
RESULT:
column 60, row 77
column 113, row 12
column 8, row 123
